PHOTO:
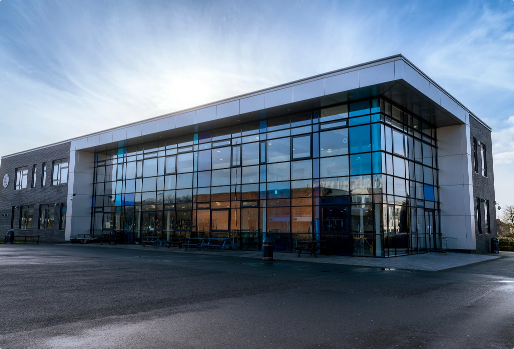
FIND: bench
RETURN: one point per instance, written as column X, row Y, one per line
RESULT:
column 176, row 243
column 193, row 242
column 308, row 246
column 153, row 240
column 112, row 238
column 219, row 243
column 82, row 239
column 26, row 238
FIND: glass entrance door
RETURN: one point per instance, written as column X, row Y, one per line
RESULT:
column 430, row 231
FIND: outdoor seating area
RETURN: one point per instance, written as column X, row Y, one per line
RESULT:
column 26, row 238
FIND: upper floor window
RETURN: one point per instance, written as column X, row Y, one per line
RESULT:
column 34, row 175
column 21, row 178
column 484, row 160
column 43, row 174
column 475, row 155
column 60, row 172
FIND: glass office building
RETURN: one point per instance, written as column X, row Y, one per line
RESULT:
column 371, row 160
column 360, row 176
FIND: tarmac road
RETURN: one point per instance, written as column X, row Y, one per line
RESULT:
column 91, row 297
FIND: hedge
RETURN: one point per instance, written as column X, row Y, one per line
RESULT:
column 506, row 244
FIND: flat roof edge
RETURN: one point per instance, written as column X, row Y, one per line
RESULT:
column 257, row 92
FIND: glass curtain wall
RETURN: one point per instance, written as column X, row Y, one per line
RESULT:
column 359, row 177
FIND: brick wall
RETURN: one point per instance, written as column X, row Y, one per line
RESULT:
column 49, row 194
column 483, row 187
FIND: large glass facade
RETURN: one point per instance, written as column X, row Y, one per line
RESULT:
column 359, row 177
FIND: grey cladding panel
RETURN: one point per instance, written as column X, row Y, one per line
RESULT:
column 252, row 103
column 150, row 127
column 167, row 123
column 342, row 82
column 376, row 74
column 206, row 114
column 308, row 90
column 278, row 97
column 185, row 119
column 227, row 109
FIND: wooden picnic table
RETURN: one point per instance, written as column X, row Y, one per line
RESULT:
column 311, row 246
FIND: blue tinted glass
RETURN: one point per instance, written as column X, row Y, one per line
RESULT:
column 375, row 105
column 359, row 108
column 377, row 162
column 263, row 152
column 359, row 121
column 429, row 192
column 360, row 164
column 262, row 126
column 262, row 188
column 360, row 139
column 121, row 151
column 334, row 166
column 118, row 200
column 375, row 137
column 93, row 201
column 129, row 199
column 315, row 145
column 315, row 168
column 375, row 118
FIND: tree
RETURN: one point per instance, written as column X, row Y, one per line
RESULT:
column 508, row 215
column 507, row 221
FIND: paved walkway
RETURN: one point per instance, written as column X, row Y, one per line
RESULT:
column 426, row 261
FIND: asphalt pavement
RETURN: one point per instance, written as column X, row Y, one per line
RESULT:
column 58, row 296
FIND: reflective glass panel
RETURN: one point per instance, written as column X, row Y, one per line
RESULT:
column 302, row 147
column 360, row 164
column 221, row 157
column 250, row 154
column 279, row 149
column 278, row 172
column 301, row 169
column 185, row 162
column 360, row 139
column 334, row 142
column 334, row 166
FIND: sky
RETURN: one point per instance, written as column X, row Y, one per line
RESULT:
column 68, row 68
